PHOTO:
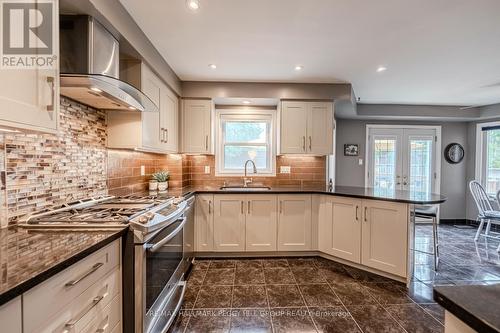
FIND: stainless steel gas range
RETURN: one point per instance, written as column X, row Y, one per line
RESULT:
column 162, row 237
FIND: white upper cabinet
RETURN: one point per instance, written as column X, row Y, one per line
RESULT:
column 197, row 126
column 29, row 98
column 148, row 131
column 306, row 128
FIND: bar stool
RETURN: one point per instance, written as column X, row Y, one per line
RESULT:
column 431, row 212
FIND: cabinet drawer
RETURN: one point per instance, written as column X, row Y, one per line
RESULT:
column 107, row 320
column 11, row 316
column 81, row 311
column 51, row 296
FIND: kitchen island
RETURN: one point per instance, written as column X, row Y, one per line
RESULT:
column 367, row 228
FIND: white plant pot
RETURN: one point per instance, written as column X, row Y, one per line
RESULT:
column 162, row 186
column 153, row 185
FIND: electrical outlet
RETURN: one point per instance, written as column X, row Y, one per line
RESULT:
column 143, row 170
column 285, row 169
column 207, row 169
column 360, row 161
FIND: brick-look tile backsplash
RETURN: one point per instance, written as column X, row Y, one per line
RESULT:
column 42, row 170
column 124, row 170
column 306, row 171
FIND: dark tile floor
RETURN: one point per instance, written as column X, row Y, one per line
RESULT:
column 318, row 295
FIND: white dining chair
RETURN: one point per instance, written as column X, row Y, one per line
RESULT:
column 486, row 213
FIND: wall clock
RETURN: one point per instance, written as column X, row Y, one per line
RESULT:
column 454, row 153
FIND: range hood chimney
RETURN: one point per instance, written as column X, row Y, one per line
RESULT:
column 90, row 67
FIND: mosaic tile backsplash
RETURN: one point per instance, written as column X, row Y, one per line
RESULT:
column 40, row 170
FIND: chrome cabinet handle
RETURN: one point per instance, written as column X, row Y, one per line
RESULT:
column 70, row 324
column 166, row 135
column 209, row 207
column 156, row 246
column 52, row 82
column 241, row 207
column 357, row 208
column 206, row 142
column 366, row 214
column 281, row 206
column 162, row 134
column 248, row 206
column 104, row 327
column 310, row 142
column 91, row 270
column 304, row 143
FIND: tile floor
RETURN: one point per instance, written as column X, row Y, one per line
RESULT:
column 319, row 295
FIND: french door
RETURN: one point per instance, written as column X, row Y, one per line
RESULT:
column 402, row 159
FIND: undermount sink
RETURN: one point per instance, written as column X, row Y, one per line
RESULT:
column 242, row 188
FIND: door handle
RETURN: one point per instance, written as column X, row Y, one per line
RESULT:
column 357, row 208
column 366, row 214
column 248, row 203
column 304, row 143
column 52, row 82
column 310, row 142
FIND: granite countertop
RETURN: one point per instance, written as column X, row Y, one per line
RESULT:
column 411, row 197
column 28, row 258
column 477, row 306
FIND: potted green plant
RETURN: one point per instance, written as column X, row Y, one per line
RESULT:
column 162, row 179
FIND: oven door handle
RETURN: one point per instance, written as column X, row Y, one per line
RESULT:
column 156, row 246
column 170, row 321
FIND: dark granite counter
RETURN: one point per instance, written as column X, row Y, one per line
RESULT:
column 477, row 306
column 28, row 258
column 411, row 197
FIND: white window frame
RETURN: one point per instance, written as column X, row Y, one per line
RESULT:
column 480, row 172
column 248, row 115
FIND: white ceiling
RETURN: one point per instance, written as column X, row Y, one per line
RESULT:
column 443, row 52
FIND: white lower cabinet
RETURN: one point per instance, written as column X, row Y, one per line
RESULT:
column 294, row 222
column 204, row 223
column 229, row 222
column 340, row 228
column 11, row 316
column 385, row 236
column 261, row 222
column 83, row 296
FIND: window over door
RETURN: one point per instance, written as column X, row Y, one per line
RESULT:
column 489, row 156
column 245, row 136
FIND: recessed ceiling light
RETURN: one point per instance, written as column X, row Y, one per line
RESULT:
column 132, row 108
column 213, row 66
column 246, row 102
column 96, row 89
column 299, row 68
column 193, row 4
column 381, row 69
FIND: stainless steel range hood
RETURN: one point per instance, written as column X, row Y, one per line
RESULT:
column 90, row 67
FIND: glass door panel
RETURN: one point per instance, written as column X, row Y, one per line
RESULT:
column 384, row 168
column 420, row 173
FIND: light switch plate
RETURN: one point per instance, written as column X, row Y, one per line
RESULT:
column 360, row 161
column 207, row 169
column 143, row 170
column 285, row 169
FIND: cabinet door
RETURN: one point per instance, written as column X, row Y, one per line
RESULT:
column 204, row 222
column 294, row 222
column 229, row 222
column 384, row 236
column 168, row 120
column 196, row 115
column 293, row 127
column 11, row 316
column 151, row 87
column 320, row 128
column 340, row 228
column 261, row 222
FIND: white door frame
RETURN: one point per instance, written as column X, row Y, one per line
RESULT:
column 437, row 153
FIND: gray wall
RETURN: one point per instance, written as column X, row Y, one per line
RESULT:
column 453, row 177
